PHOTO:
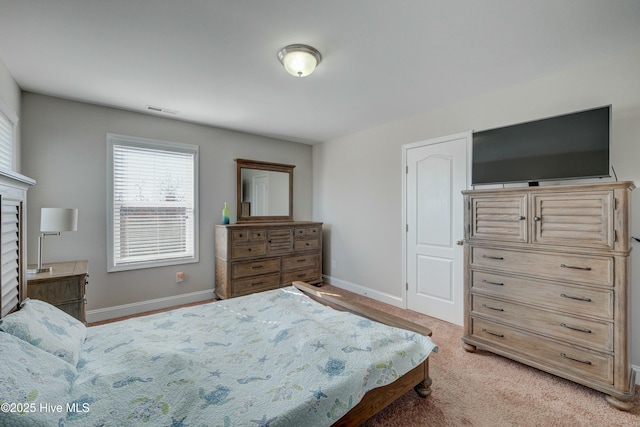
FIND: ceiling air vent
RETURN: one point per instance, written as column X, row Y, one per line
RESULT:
column 161, row 110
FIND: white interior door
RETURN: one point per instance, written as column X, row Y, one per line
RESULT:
column 436, row 174
column 260, row 204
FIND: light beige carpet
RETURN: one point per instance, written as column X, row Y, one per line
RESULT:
column 482, row 389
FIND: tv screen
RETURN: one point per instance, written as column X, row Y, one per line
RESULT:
column 570, row 146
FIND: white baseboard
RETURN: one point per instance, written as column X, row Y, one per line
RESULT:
column 361, row 290
column 106, row 313
column 637, row 369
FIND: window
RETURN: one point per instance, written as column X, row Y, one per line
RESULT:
column 8, row 123
column 152, row 203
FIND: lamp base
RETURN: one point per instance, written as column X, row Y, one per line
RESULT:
column 39, row 270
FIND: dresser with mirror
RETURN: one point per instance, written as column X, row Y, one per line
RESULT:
column 265, row 249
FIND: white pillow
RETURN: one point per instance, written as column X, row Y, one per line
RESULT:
column 47, row 327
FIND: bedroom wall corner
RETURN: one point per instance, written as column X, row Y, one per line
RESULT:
column 64, row 149
column 357, row 178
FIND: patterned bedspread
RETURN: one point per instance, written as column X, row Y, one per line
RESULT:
column 276, row 358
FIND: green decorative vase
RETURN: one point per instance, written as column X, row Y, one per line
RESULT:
column 225, row 213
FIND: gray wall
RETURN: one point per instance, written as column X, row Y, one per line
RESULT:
column 64, row 150
column 357, row 179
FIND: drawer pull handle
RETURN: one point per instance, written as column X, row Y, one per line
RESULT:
column 256, row 283
column 575, row 268
column 492, row 283
column 586, row 362
column 521, row 218
column 492, row 308
column 585, row 330
column 302, row 260
column 536, row 218
column 493, row 333
column 302, row 275
column 585, row 299
column 493, row 257
column 255, row 267
column 248, row 249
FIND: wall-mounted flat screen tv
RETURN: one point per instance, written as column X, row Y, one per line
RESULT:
column 570, row 146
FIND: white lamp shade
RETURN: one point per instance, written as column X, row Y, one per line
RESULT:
column 53, row 220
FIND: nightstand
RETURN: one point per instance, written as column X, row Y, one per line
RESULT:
column 64, row 287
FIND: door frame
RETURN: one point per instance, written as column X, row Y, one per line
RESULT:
column 468, row 135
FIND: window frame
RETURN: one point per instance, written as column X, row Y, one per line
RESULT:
column 132, row 141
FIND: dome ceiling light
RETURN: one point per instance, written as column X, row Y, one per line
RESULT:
column 299, row 59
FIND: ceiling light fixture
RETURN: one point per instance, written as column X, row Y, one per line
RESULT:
column 299, row 59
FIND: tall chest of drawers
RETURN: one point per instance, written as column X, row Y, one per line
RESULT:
column 262, row 256
column 547, row 281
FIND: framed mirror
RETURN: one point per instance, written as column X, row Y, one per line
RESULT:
column 264, row 191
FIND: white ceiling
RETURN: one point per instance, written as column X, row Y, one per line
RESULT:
column 214, row 61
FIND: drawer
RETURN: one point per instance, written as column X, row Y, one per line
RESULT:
column 561, row 297
column 572, row 360
column 248, row 250
column 303, row 245
column 58, row 291
column 252, row 268
column 574, row 330
column 255, row 284
column 251, row 235
column 300, row 261
column 306, row 232
column 74, row 309
column 305, row 275
column 574, row 268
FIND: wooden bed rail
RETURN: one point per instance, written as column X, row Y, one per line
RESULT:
column 339, row 303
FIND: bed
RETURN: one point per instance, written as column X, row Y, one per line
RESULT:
column 285, row 357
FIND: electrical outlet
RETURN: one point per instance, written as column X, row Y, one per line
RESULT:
column 180, row 277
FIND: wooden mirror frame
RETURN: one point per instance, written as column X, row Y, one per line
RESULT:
column 267, row 166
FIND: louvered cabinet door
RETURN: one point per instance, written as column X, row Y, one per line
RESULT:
column 574, row 219
column 498, row 217
column 10, row 253
column 279, row 240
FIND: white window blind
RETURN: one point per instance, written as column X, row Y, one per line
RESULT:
column 6, row 139
column 153, row 212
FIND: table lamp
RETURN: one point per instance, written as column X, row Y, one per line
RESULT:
column 52, row 222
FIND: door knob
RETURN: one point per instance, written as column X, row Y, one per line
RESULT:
column 460, row 242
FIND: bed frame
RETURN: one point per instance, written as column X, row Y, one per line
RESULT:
column 378, row 398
